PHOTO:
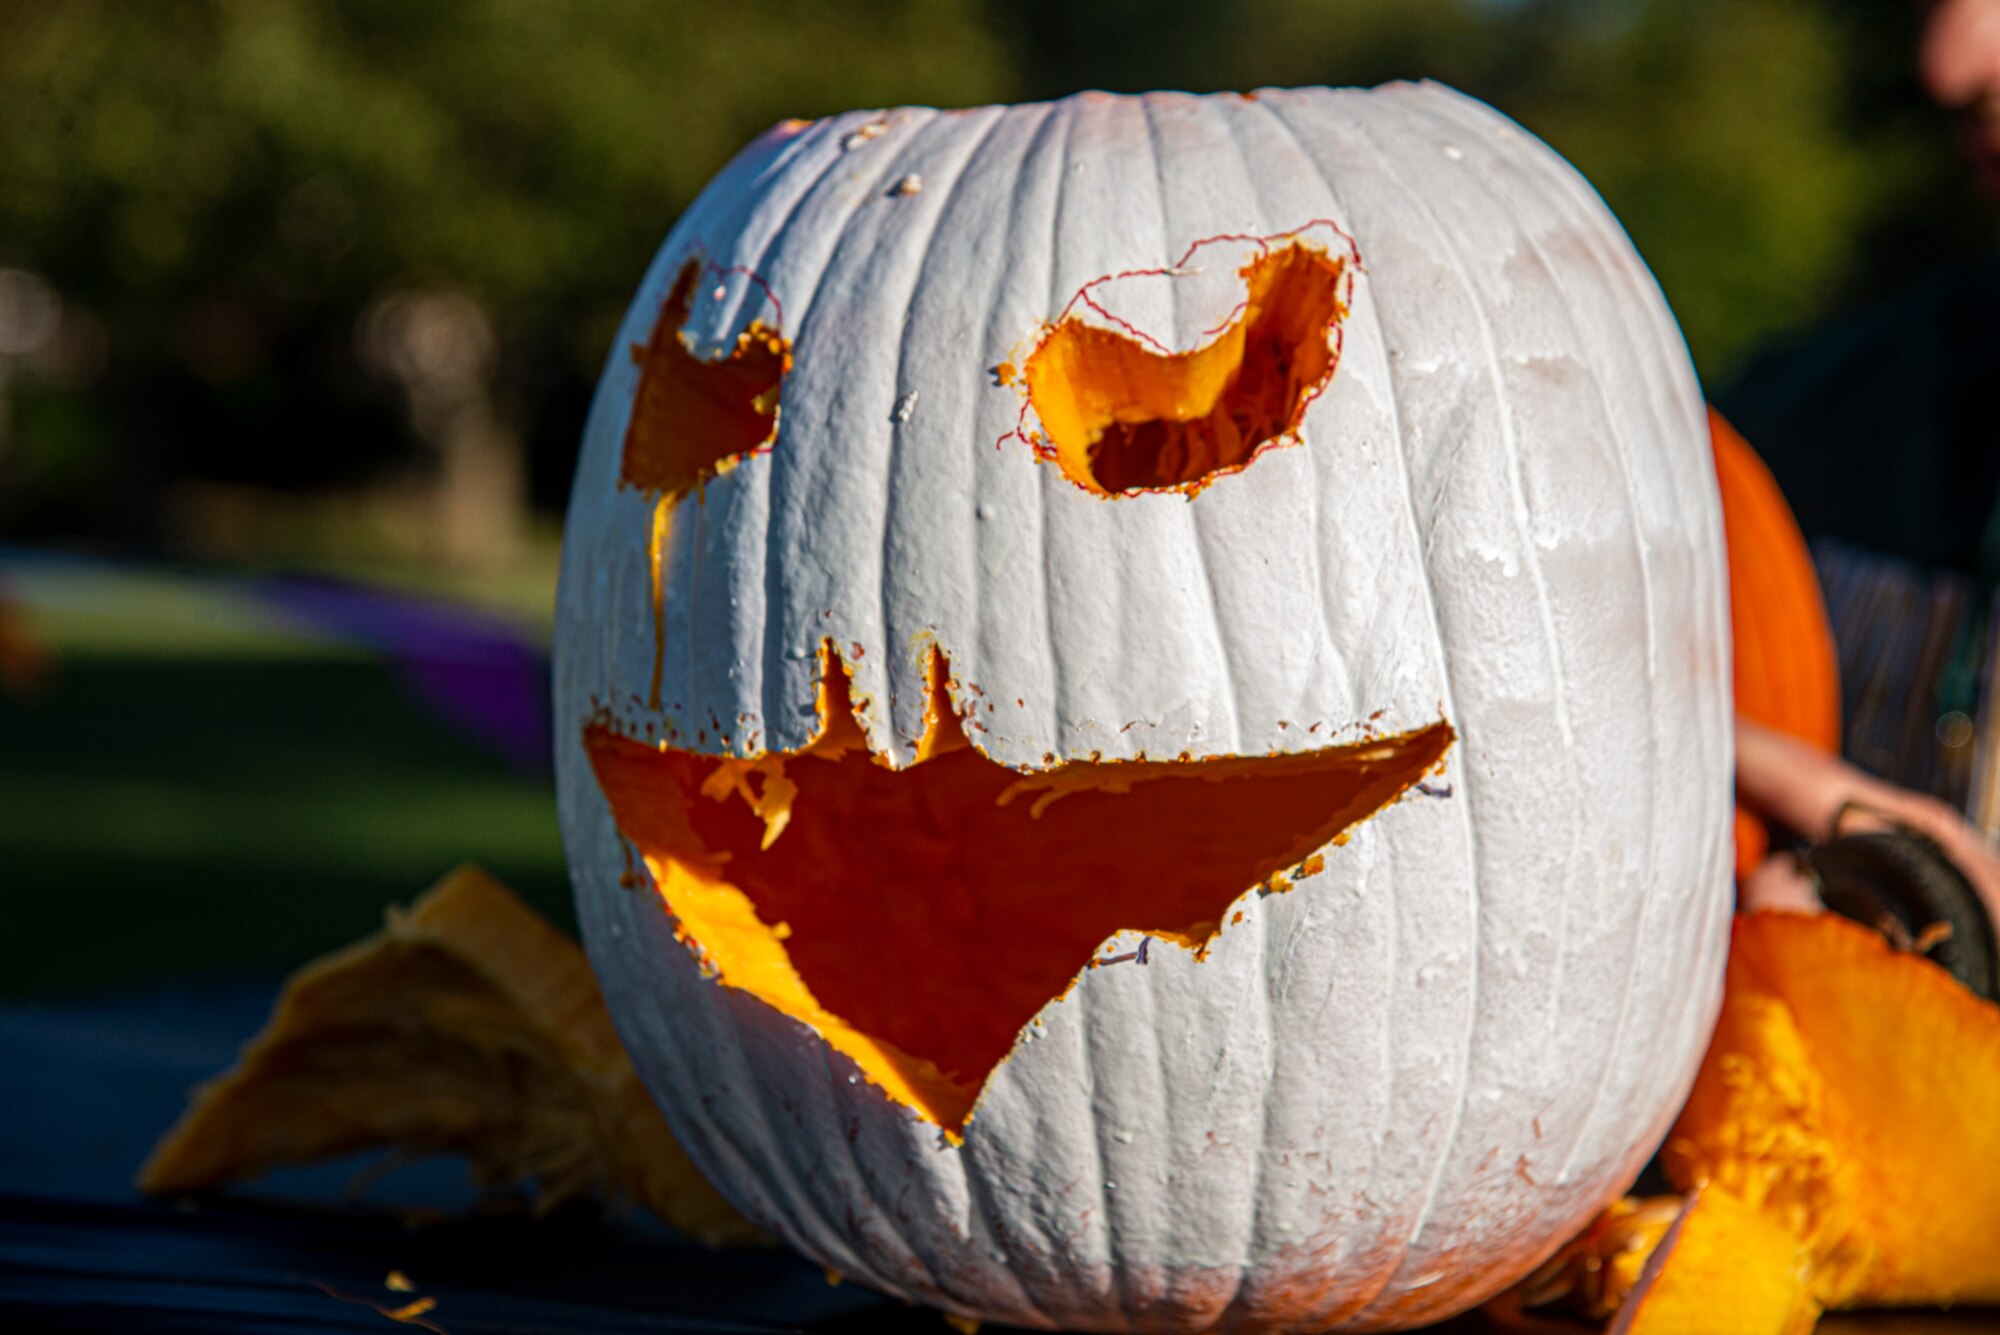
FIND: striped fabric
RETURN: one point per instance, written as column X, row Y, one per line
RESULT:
column 1915, row 696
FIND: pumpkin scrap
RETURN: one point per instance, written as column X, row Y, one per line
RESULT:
column 965, row 892
column 1722, row 1267
column 466, row 1026
column 1704, row 1264
column 1594, row 1273
column 1850, row 1092
column 1840, row 1149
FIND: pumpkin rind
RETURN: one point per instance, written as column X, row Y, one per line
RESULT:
column 1382, row 1096
column 466, row 1026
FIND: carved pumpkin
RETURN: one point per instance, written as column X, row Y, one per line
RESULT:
column 1144, row 721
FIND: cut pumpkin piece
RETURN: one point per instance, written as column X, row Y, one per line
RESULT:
column 1722, row 1268
column 1852, row 1093
column 466, row 1026
column 1592, row 1275
column 1704, row 1264
column 1841, row 1149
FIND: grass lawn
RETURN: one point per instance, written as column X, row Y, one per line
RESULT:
column 198, row 793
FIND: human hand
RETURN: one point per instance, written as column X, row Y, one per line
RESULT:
column 1795, row 785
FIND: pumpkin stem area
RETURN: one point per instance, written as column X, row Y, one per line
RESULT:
column 1122, row 417
column 918, row 918
column 694, row 419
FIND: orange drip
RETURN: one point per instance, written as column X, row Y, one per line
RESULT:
column 919, row 918
column 1122, row 417
column 656, row 543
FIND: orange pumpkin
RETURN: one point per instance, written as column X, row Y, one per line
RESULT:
column 1786, row 675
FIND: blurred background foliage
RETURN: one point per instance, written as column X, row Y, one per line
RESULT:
column 221, row 193
column 325, row 286
column 218, row 194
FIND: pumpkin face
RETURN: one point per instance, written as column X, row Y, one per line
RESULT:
column 1143, row 703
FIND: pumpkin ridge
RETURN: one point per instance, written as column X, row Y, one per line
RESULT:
column 1618, row 451
column 920, row 918
column 918, row 272
column 1232, row 659
column 1448, row 1143
column 1499, row 190
column 1058, row 687
column 1276, row 109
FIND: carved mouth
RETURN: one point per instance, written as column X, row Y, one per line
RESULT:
column 919, row 918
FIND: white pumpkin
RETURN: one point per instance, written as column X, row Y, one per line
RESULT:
column 1475, row 545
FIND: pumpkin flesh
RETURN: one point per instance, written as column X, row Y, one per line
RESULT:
column 919, row 918
column 1722, row 1267
column 1849, row 1093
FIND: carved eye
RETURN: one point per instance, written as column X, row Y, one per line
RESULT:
column 695, row 418
column 1122, row 414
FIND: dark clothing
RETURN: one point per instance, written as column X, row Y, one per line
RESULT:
column 1898, row 627
column 1883, row 428
column 1883, row 431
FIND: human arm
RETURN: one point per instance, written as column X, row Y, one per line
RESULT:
column 1797, row 786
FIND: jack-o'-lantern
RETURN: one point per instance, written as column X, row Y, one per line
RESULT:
column 1143, row 704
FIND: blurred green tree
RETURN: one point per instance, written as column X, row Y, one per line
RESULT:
column 226, row 185
column 1753, row 148
column 219, row 190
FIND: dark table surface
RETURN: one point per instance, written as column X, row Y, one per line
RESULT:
column 91, row 1082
